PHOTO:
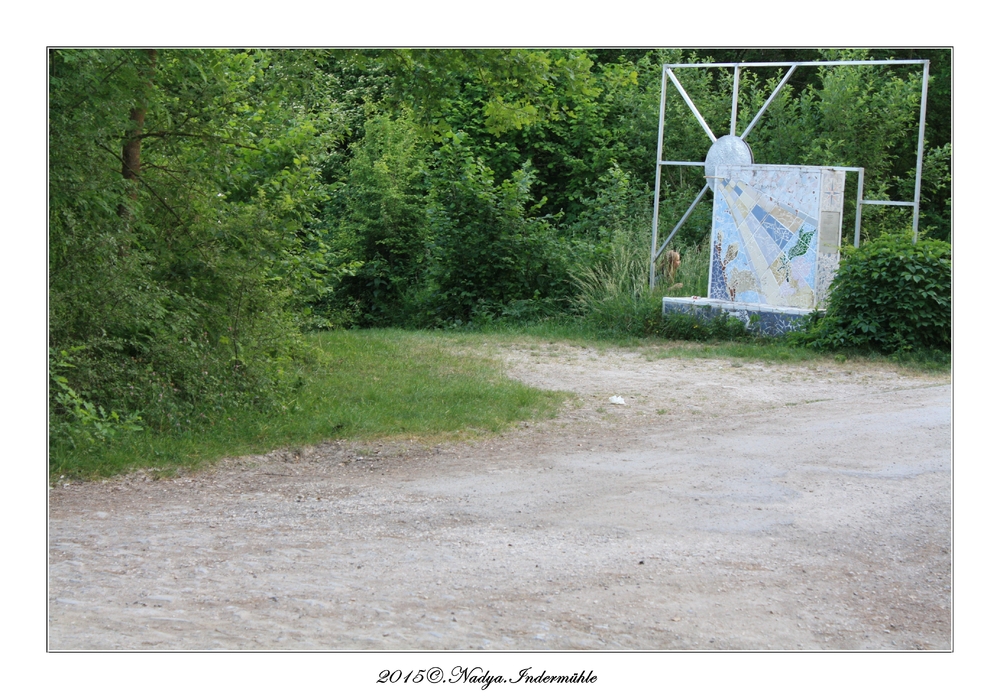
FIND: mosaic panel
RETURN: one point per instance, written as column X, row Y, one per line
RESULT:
column 775, row 234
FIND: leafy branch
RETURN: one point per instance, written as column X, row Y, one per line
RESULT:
column 204, row 137
column 144, row 183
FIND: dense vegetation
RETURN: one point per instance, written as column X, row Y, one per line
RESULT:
column 890, row 296
column 207, row 207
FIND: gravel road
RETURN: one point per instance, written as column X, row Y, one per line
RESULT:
column 727, row 505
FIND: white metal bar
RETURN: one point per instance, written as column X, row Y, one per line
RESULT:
column 656, row 195
column 920, row 150
column 736, row 92
column 857, row 216
column 792, row 65
column 690, row 104
column 783, row 64
column 838, row 168
column 769, row 100
column 681, row 222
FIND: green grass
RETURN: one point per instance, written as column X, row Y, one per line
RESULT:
column 765, row 352
column 365, row 385
column 778, row 352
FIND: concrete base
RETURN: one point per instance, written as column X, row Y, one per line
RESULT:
column 766, row 320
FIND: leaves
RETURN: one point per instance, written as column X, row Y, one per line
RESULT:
column 207, row 244
column 890, row 296
column 488, row 250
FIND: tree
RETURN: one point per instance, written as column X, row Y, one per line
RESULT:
column 378, row 217
column 182, row 186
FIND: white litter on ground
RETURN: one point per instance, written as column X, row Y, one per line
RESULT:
column 617, row 400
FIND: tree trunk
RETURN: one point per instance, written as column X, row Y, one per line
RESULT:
column 131, row 150
column 131, row 163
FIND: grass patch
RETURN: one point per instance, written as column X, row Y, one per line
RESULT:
column 541, row 334
column 764, row 352
column 364, row 385
column 545, row 336
column 775, row 351
column 574, row 331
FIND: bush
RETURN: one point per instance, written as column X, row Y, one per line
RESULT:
column 890, row 296
column 380, row 222
column 77, row 422
column 489, row 249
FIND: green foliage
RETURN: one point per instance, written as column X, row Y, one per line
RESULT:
column 935, row 194
column 176, row 284
column 619, row 203
column 599, row 131
column 379, row 219
column 488, row 249
column 889, row 296
column 851, row 115
column 519, row 87
column 82, row 425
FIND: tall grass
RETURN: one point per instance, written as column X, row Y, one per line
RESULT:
column 613, row 295
column 692, row 276
column 614, row 299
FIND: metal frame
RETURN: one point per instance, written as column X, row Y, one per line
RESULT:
column 668, row 73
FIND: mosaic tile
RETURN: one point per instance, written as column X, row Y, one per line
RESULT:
column 742, row 280
column 801, row 270
column 769, row 223
column 769, row 249
column 801, row 246
column 826, row 270
column 832, row 201
column 786, row 218
column 742, row 208
column 779, row 233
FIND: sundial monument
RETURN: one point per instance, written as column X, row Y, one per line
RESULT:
column 776, row 229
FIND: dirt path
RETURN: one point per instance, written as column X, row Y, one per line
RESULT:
column 726, row 505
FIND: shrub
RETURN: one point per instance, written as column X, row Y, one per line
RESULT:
column 380, row 222
column 618, row 204
column 488, row 249
column 889, row 296
column 78, row 422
